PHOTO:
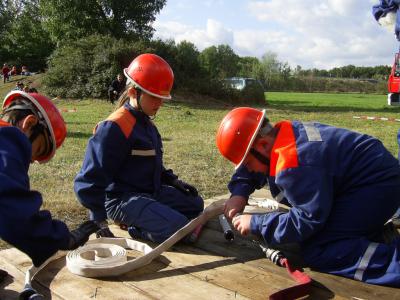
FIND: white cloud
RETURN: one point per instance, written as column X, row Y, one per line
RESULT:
column 344, row 7
column 326, row 33
column 214, row 33
column 321, row 34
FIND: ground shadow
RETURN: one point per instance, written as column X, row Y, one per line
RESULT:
column 6, row 294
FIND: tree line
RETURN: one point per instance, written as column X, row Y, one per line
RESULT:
column 83, row 44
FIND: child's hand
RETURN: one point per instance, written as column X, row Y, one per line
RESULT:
column 242, row 224
column 234, row 206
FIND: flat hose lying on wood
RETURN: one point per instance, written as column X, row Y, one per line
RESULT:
column 106, row 257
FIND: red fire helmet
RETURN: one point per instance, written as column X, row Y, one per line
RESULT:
column 237, row 132
column 48, row 114
column 151, row 74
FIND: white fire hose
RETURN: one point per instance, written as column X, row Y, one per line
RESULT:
column 106, row 257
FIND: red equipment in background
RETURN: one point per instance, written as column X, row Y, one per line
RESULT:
column 394, row 82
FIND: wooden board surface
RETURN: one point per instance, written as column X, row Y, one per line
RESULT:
column 212, row 268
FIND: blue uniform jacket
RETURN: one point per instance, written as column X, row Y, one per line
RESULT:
column 311, row 166
column 384, row 7
column 123, row 155
column 22, row 224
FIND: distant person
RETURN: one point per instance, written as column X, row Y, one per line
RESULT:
column 342, row 187
column 31, row 129
column 19, row 86
column 13, row 71
column 116, row 87
column 6, row 73
column 123, row 177
column 25, row 71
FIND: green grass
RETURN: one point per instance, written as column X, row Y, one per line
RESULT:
column 339, row 110
column 188, row 132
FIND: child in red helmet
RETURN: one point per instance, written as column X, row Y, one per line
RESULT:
column 123, row 177
column 341, row 187
column 31, row 129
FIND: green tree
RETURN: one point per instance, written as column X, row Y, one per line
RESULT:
column 247, row 65
column 220, row 61
column 72, row 19
column 268, row 69
column 8, row 9
column 187, row 67
column 26, row 40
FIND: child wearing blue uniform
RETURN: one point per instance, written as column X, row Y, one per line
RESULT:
column 123, row 177
column 31, row 129
column 342, row 187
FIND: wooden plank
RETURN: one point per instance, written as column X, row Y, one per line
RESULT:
column 64, row 285
column 338, row 286
column 171, row 283
column 155, row 281
column 227, row 272
column 14, row 284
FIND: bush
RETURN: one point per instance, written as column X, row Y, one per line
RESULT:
column 86, row 67
column 252, row 94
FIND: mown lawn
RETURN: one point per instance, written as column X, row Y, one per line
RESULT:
column 188, row 132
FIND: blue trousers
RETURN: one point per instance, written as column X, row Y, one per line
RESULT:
column 154, row 218
column 352, row 245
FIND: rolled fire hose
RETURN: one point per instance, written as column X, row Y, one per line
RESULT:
column 106, row 257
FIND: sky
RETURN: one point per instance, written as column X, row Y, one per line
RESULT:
column 319, row 34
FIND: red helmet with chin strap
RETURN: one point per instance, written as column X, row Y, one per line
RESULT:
column 151, row 74
column 237, row 132
column 48, row 114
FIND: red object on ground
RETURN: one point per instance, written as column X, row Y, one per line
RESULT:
column 294, row 292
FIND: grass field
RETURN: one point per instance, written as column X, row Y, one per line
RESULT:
column 188, row 130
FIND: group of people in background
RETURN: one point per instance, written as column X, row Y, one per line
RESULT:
column 20, row 86
column 8, row 72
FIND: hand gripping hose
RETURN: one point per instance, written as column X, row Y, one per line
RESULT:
column 304, row 281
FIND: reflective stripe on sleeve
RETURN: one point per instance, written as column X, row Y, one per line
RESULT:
column 365, row 261
column 279, row 197
column 312, row 132
column 151, row 152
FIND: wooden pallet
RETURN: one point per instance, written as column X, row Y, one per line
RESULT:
column 212, row 268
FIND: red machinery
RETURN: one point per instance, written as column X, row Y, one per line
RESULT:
column 394, row 82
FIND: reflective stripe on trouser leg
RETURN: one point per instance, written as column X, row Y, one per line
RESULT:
column 365, row 261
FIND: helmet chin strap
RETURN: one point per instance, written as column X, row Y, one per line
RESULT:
column 260, row 157
column 139, row 94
